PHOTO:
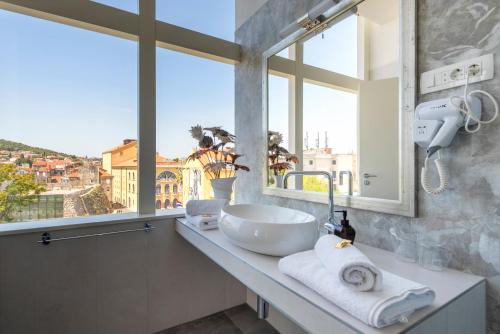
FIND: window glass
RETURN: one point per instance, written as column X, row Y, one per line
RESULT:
column 330, row 137
column 285, row 53
column 127, row 5
column 186, row 99
column 278, row 107
column 68, row 110
column 336, row 48
column 215, row 18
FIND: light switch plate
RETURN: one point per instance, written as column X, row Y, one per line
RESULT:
column 454, row 75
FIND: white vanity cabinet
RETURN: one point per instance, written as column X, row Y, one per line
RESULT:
column 459, row 308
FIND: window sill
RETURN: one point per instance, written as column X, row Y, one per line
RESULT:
column 92, row 221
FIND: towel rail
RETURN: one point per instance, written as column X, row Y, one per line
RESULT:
column 47, row 239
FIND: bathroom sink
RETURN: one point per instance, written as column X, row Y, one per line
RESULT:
column 267, row 229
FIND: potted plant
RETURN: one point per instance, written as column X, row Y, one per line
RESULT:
column 280, row 160
column 217, row 157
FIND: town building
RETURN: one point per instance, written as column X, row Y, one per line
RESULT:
column 121, row 164
column 343, row 167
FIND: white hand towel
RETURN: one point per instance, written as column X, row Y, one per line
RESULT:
column 205, row 207
column 352, row 267
column 203, row 222
column 397, row 300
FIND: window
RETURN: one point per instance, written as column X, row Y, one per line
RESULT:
column 167, row 189
column 66, row 95
column 127, row 5
column 216, row 18
column 330, row 111
column 167, row 203
column 70, row 94
column 323, row 129
column 178, row 80
column 279, row 104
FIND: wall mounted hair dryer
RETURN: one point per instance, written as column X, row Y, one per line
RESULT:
column 437, row 122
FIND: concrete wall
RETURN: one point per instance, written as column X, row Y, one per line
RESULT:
column 127, row 283
column 467, row 217
column 245, row 9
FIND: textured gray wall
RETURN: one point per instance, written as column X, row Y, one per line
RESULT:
column 467, row 217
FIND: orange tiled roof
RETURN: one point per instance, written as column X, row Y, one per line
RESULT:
column 39, row 163
column 160, row 160
column 122, row 146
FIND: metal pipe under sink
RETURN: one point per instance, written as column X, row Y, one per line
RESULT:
column 262, row 308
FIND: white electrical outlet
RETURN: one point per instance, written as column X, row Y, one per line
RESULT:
column 480, row 69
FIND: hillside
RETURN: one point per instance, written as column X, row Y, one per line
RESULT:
column 14, row 146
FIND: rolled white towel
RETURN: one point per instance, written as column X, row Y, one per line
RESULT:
column 352, row 267
column 205, row 207
column 203, row 222
column 397, row 300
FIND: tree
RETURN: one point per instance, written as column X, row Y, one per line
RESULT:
column 313, row 183
column 16, row 191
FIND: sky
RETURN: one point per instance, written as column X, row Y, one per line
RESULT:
column 75, row 91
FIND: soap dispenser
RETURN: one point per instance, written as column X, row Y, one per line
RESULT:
column 346, row 231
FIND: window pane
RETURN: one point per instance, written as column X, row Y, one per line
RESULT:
column 279, row 107
column 190, row 91
column 127, row 5
column 284, row 53
column 66, row 96
column 336, row 48
column 330, row 137
column 215, row 18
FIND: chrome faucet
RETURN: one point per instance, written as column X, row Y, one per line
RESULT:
column 332, row 225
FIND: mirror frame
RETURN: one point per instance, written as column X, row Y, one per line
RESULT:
column 406, row 205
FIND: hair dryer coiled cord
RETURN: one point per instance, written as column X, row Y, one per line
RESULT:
column 465, row 108
column 442, row 169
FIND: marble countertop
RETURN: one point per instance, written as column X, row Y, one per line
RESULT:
column 448, row 284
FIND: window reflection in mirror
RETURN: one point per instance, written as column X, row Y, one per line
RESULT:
column 335, row 49
column 340, row 105
column 330, row 138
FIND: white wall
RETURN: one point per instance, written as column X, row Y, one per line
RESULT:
column 128, row 283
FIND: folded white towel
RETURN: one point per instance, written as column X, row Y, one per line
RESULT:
column 352, row 267
column 203, row 222
column 398, row 298
column 205, row 207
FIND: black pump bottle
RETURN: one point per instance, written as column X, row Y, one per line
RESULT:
column 347, row 231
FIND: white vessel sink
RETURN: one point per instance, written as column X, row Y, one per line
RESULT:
column 270, row 230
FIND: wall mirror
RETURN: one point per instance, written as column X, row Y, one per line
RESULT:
column 339, row 97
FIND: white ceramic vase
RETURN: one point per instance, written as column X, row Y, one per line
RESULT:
column 278, row 181
column 223, row 188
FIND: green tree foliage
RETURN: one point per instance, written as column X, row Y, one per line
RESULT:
column 313, row 183
column 23, row 160
column 16, row 191
column 12, row 146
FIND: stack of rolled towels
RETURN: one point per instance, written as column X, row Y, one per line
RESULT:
column 204, row 214
column 346, row 277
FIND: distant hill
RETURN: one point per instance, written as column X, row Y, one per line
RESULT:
column 8, row 145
